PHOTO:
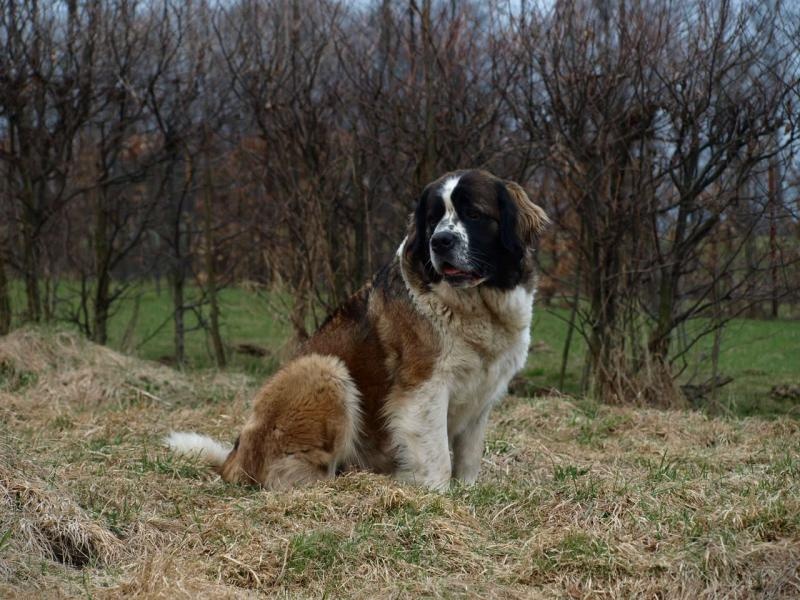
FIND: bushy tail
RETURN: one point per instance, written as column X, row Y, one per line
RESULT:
column 194, row 444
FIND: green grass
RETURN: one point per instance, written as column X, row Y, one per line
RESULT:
column 758, row 354
column 247, row 316
column 314, row 552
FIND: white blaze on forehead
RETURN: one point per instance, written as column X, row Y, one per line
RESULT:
column 459, row 254
column 450, row 220
column 447, row 192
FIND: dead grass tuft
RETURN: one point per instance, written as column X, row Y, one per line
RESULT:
column 39, row 520
column 61, row 369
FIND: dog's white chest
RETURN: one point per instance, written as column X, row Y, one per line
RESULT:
column 476, row 382
column 481, row 354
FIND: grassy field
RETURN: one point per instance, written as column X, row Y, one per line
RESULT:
column 575, row 500
column 246, row 317
column 757, row 354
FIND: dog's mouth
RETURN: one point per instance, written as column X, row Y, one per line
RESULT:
column 457, row 276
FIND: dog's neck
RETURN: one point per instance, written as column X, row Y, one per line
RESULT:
column 511, row 309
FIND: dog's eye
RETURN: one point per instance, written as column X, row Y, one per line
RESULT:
column 473, row 214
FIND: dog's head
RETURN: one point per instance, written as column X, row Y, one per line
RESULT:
column 471, row 228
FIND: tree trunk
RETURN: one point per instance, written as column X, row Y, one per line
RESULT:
column 660, row 337
column 5, row 297
column 773, row 238
column 178, row 263
column 750, row 249
column 102, row 292
column 361, row 232
column 605, row 343
column 5, row 292
column 211, row 271
column 717, row 324
column 572, row 315
column 178, row 314
column 30, row 261
column 101, row 310
column 50, row 285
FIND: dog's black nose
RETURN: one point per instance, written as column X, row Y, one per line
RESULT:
column 443, row 241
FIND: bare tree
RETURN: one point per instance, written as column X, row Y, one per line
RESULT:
column 46, row 66
column 650, row 123
column 284, row 141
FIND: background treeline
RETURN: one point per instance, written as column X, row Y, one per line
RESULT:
column 281, row 144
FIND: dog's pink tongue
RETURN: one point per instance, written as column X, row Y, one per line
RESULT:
column 453, row 271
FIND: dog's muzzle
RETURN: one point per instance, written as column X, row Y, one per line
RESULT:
column 447, row 260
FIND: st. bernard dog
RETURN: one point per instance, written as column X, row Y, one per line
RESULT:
column 402, row 377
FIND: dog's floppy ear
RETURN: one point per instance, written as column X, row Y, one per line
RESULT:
column 416, row 232
column 521, row 221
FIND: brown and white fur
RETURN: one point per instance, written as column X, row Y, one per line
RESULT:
column 402, row 377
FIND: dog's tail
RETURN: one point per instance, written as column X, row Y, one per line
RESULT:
column 188, row 443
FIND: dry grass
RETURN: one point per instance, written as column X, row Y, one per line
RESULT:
column 575, row 500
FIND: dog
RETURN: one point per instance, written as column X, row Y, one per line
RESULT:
column 402, row 377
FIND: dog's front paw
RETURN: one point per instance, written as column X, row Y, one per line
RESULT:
column 437, row 481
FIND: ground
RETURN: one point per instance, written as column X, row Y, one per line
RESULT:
column 575, row 499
